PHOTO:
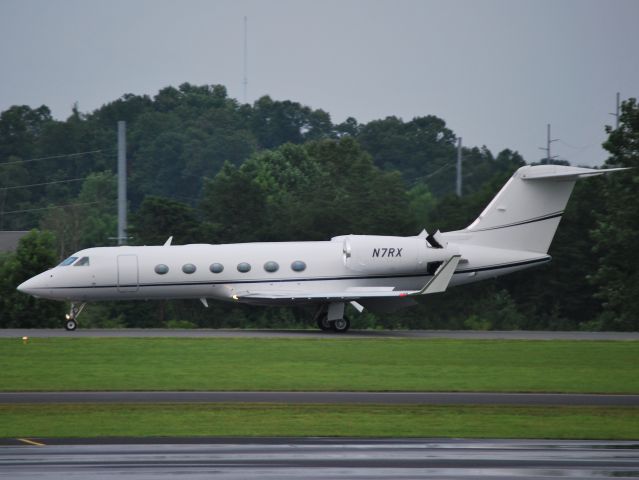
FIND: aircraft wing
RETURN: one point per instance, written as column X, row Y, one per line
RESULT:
column 437, row 284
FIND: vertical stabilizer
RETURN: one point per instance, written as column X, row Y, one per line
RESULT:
column 526, row 212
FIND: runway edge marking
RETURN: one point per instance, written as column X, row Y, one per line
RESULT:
column 31, row 442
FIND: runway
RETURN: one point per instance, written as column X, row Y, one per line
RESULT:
column 353, row 334
column 317, row 458
column 374, row 398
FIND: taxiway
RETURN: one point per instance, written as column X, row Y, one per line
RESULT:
column 352, row 334
column 376, row 398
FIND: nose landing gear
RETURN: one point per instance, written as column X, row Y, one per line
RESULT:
column 72, row 323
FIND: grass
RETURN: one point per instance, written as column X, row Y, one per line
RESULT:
column 308, row 364
column 318, row 420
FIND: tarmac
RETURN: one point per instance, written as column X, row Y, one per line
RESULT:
column 374, row 398
column 352, row 334
column 314, row 458
column 195, row 458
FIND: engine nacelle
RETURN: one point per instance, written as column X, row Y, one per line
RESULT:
column 373, row 254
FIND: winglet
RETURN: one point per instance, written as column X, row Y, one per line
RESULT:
column 441, row 279
column 168, row 241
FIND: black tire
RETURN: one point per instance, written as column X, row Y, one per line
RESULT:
column 341, row 326
column 323, row 324
column 71, row 325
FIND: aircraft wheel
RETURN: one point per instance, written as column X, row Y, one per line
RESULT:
column 71, row 325
column 342, row 325
column 323, row 324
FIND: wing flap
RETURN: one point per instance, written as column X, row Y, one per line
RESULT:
column 437, row 284
column 344, row 295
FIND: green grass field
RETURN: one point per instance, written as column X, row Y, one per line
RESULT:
column 309, row 364
column 322, row 364
column 318, row 420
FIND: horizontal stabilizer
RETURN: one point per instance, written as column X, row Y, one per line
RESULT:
column 565, row 173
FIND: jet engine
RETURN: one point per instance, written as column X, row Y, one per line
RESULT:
column 371, row 254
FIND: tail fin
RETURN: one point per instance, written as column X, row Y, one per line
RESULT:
column 525, row 214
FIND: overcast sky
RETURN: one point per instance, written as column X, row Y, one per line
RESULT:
column 496, row 71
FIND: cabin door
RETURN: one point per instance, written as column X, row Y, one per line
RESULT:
column 128, row 273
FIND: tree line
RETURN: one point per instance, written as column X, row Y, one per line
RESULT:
column 208, row 169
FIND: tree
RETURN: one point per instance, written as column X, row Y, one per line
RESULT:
column 312, row 192
column 158, row 218
column 616, row 234
column 419, row 148
column 90, row 219
column 35, row 253
column 20, row 127
column 560, row 295
column 275, row 123
column 233, row 206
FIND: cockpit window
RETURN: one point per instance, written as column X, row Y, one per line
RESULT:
column 68, row 262
column 83, row 262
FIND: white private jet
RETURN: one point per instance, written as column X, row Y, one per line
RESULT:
column 379, row 273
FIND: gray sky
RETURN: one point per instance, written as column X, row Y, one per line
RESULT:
column 496, row 71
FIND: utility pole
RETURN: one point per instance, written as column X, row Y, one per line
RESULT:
column 245, row 81
column 4, row 199
column 459, row 167
column 549, row 157
column 616, row 114
column 122, row 183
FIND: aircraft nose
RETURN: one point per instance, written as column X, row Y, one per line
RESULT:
column 30, row 287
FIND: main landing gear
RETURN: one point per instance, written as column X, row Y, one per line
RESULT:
column 331, row 317
column 72, row 322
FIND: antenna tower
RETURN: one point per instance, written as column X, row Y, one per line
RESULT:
column 245, row 81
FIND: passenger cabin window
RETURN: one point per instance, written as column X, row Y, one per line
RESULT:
column 216, row 268
column 243, row 267
column 161, row 269
column 298, row 266
column 271, row 267
column 188, row 268
column 68, row 261
column 83, row 262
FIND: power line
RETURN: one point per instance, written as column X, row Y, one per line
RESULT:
column 52, row 157
column 49, row 208
column 425, row 177
column 16, row 187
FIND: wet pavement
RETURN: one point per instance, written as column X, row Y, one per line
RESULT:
column 315, row 458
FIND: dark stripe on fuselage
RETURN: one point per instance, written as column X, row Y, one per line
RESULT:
column 523, row 222
column 314, row 279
